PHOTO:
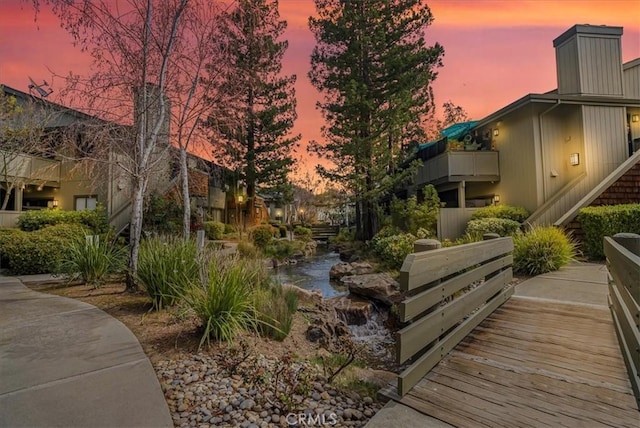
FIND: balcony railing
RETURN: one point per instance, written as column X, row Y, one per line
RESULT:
column 30, row 168
column 455, row 166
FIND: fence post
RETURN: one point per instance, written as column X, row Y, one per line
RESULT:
column 426, row 245
column 200, row 239
column 630, row 241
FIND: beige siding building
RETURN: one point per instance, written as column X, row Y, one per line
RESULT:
column 559, row 150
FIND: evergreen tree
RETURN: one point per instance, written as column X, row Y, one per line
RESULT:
column 374, row 68
column 259, row 114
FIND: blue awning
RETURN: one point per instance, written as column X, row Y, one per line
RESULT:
column 457, row 130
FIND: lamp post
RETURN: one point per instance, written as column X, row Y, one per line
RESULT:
column 239, row 208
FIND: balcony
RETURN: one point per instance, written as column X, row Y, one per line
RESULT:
column 30, row 169
column 456, row 166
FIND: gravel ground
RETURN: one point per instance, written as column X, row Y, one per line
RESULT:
column 254, row 391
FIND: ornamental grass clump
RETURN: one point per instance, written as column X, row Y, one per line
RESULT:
column 92, row 260
column 166, row 267
column 275, row 308
column 223, row 297
column 543, row 249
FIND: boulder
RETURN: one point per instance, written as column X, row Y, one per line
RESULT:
column 325, row 332
column 347, row 269
column 379, row 286
column 353, row 310
column 303, row 294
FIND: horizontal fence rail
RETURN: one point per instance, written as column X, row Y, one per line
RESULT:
column 451, row 290
column 623, row 262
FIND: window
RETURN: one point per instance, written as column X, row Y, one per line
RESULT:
column 86, row 203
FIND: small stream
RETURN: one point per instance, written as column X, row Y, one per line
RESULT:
column 312, row 273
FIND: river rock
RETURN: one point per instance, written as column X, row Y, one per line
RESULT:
column 348, row 269
column 325, row 331
column 352, row 309
column 378, row 286
column 304, row 295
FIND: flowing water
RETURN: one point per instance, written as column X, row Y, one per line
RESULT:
column 313, row 273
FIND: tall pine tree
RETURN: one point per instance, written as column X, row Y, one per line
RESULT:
column 259, row 114
column 374, row 68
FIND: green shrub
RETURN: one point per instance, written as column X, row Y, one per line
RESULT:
column 275, row 308
column 606, row 220
column 283, row 249
column 95, row 220
column 222, row 299
column 393, row 249
column 543, row 249
column 41, row 251
column 229, row 229
column 343, row 236
column 261, row 236
column 501, row 226
column 162, row 215
column 302, row 233
column 283, row 231
column 92, row 260
column 518, row 214
column 166, row 266
column 247, row 250
column 409, row 216
column 7, row 236
column 214, row 229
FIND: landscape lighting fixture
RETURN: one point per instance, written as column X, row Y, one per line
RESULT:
column 574, row 159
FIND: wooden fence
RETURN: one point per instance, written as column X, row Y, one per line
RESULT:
column 623, row 263
column 451, row 290
column 453, row 221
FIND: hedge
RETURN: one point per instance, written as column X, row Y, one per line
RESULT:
column 501, row 226
column 214, row 229
column 42, row 250
column 518, row 214
column 95, row 220
column 606, row 220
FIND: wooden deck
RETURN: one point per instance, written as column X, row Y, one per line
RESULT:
column 532, row 363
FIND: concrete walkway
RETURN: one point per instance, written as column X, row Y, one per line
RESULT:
column 65, row 363
column 577, row 283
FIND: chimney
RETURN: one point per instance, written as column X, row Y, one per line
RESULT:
column 589, row 61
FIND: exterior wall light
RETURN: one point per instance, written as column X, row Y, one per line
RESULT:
column 496, row 132
column 54, row 203
column 240, row 199
column 574, row 159
column 496, row 199
column 635, row 118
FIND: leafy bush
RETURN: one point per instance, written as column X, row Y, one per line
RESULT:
column 261, row 236
column 543, row 249
column 606, row 220
column 283, row 230
column 214, row 229
column 343, row 236
column 7, row 236
column 162, row 215
column 42, row 250
column 283, row 249
column 166, row 266
column 92, row 260
column 229, row 229
column 95, row 220
column 518, row 214
column 501, row 226
column 393, row 249
column 303, row 233
column 223, row 300
column 275, row 308
column 409, row 216
column 247, row 250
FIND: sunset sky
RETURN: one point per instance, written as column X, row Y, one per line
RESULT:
column 496, row 51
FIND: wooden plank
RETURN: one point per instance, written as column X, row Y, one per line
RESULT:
column 411, row 375
column 422, row 268
column 413, row 338
column 634, row 373
column 624, row 266
column 417, row 304
column 628, row 335
column 631, row 305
